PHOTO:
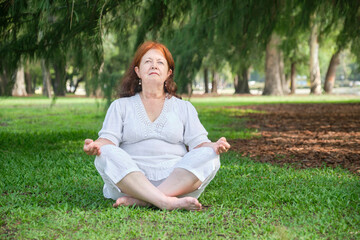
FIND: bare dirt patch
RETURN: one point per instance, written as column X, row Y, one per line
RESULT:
column 304, row 135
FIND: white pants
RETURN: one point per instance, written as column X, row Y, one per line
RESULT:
column 114, row 164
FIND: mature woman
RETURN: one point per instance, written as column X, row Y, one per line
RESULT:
column 152, row 148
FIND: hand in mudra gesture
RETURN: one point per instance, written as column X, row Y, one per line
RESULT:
column 220, row 146
column 91, row 147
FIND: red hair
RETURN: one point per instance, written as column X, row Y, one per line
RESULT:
column 130, row 82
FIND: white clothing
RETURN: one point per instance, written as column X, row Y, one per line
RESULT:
column 114, row 163
column 154, row 148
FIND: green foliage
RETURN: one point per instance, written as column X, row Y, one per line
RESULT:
column 200, row 33
column 51, row 189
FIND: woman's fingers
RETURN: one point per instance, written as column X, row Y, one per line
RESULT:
column 223, row 145
column 95, row 149
column 91, row 147
column 87, row 145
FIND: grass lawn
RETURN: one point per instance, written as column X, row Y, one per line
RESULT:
column 51, row 189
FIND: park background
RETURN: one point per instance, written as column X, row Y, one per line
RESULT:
column 279, row 79
column 260, row 47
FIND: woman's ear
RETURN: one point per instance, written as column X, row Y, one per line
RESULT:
column 136, row 69
column 169, row 72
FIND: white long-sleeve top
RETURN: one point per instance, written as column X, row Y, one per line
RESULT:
column 155, row 146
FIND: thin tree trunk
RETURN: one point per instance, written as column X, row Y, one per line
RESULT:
column 34, row 80
column 19, row 88
column 315, row 77
column 206, row 80
column 273, row 85
column 331, row 72
column 46, row 79
column 97, row 91
column 214, row 82
column 189, row 89
column 77, row 84
column 293, row 77
column 284, row 82
column 28, row 83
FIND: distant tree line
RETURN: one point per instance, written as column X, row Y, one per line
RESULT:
column 67, row 40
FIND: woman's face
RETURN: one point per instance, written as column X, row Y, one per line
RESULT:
column 153, row 68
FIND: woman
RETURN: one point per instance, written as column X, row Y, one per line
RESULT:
column 141, row 150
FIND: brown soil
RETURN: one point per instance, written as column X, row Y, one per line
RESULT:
column 304, row 135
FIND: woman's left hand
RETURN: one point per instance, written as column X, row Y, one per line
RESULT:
column 221, row 146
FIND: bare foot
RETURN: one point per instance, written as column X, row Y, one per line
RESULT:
column 130, row 201
column 187, row 203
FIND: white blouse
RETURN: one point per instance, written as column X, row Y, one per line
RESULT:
column 158, row 144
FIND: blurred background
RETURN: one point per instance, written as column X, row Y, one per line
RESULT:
column 273, row 47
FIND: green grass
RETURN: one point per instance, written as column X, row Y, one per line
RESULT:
column 250, row 100
column 51, row 189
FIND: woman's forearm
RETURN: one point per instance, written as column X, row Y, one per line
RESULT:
column 219, row 147
column 205, row 144
column 104, row 141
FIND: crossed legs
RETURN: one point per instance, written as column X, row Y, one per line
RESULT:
column 144, row 193
column 120, row 173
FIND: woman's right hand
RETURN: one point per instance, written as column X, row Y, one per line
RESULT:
column 91, row 147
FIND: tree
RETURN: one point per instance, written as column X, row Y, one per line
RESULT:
column 34, row 30
column 58, row 82
column 19, row 88
column 46, row 90
column 42, row 30
column 331, row 73
column 273, row 84
column 293, row 77
column 206, row 80
column 241, row 81
column 315, row 77
column 214, row 81
column 6, row 83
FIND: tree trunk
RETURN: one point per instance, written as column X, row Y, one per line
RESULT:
column 19, row 88
column 6, row 83
column 46, row 79
column 214, row 82
column 189, row 89
column 273, row 85
column 77, row 84
column 28, row 83
column 331, row 72
column 3, row 83
column 293, row 77
column 59, row 82
column 284, row 82
column 241, row 81
column 315, row 77
column 206, row 80
column 97, row 91
column 236, row 83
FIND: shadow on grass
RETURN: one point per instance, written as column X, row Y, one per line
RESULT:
column 49, row 169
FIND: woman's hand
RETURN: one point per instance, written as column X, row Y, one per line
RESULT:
column 91, row 147
column 220, row 146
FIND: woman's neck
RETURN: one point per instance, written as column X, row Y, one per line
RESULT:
column 152, row 94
